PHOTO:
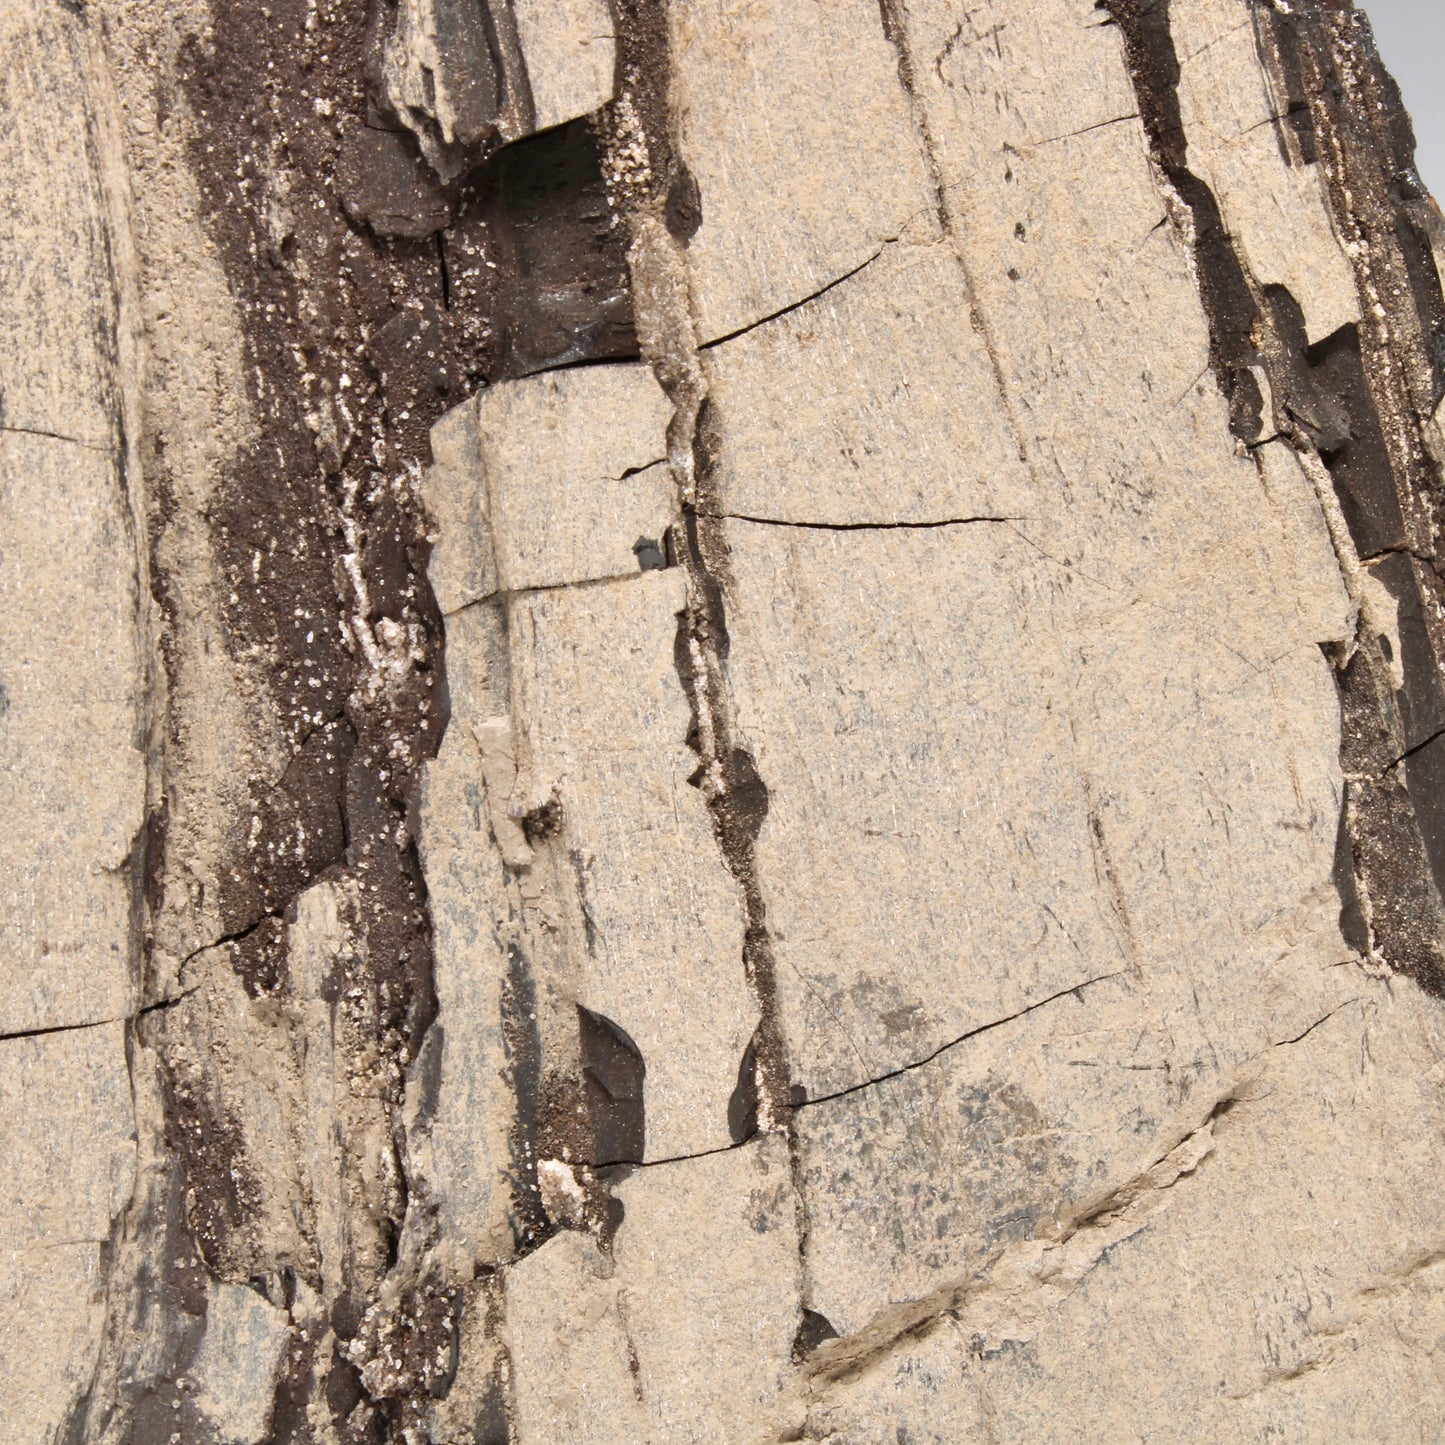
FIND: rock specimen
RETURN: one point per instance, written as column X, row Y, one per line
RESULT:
column 723, row 720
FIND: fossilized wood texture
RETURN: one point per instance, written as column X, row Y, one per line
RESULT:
column 723, row 720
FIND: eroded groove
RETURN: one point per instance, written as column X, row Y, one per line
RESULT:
column 1224, row 290
column 1031, row 1284
column 736, row 796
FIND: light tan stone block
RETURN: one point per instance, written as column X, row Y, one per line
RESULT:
column 50, row 1333
column 235, row 1373
column 874, row 402
column 1275, row 210
column 570, row 53
column 548, row 481
column 570, row 460
column 459, row 1139
column 72, row 781
column 1140, row 633
column 597, row 696
column 776, row 104
column 927, row 860
column 67, row 1135
column 684, row 1333
column 57, row 288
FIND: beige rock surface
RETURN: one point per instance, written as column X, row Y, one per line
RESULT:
column 606, row 722
column 929, row 842
column 67, row 1134
column 775, row 228
column 1094, row 737
column 462, row 567
column 465, row 76
column 1273, row 203
column 245, row 1340
column 868, row 930
column 846, row 410
column 570, row 54
column 72, row 777
column 570, row 462
column 73, row 674
column 463, row 1148
column 548, row 481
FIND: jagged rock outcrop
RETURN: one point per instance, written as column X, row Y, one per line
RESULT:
column 722, row 720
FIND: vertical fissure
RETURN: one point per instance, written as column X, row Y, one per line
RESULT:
column 650, row 186
column 1225, row 291
column 895, row 31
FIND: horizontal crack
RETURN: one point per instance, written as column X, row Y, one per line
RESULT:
column 55, row 436
column 794, row 305
column 954, row 1043
column 640, row 467
column 669, row 1159
column 50, row 1029
column 1097, row 125
column 1285, row 1043
column 241, row 934
column 862, row 526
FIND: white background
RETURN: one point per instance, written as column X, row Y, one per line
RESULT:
column 1411, row 37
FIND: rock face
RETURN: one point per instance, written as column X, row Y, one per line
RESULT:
column 722, row 720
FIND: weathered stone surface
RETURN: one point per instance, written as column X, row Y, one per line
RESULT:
column 461, row 1139
column 604, row 719
column 548, row 481
column 72, row 780
column 463, row 567
column 1289, row 1284
column 931, row 844
column 910, row 902
column 72, row 714
column 468, row 77
column 56, row 375
column 246, row 1338
column 50, row 1335
column 1159, row 716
